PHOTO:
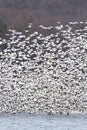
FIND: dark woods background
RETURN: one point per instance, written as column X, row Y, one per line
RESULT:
column 17, row 13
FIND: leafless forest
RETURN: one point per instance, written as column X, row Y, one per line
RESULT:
column 17, row 13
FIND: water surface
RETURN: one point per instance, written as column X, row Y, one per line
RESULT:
column 42, row 122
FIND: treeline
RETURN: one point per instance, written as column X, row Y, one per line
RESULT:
column 41, row 4
column 18, row 13
column 3, row 28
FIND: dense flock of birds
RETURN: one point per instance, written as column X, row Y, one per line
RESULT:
column 44, row 71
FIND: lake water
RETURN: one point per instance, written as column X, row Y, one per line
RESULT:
column 42, row 122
